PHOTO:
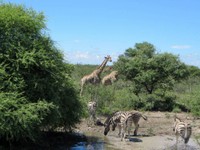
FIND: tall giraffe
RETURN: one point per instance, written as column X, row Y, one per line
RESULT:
column 94, row 77
column 108, row 69
column 110, row 78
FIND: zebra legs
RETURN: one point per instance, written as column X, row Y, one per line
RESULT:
column 177, row 138
column 129, row 129
column 123, row 132
column 136, row 129
column 120, row 130
column 124, row 129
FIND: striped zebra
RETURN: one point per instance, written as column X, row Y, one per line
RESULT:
column 182, row 129
column 113, row 120
column 92, row 105
column 124, row 121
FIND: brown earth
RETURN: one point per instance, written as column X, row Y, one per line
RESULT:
column 154, row 134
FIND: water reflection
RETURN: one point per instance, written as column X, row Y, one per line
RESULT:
column 95, row 141
column 88, row 146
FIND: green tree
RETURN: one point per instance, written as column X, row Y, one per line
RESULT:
column 149, row 70
column 34, row 70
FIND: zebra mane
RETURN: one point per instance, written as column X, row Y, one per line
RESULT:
column 109, row 117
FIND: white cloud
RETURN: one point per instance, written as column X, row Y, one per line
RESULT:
column 76, row 41
column 87, row 57
column 181, row 46
column 98, row 56
column 82, row 55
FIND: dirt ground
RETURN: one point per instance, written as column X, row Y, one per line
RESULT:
column 154, row 134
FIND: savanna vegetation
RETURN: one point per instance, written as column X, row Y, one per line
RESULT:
column 40, row 90
column 148, row 81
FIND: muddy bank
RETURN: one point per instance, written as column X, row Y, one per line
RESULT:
column 140, row 142
column 154, row 134
column 152, row 143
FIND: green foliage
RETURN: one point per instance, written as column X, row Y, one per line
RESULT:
column 158, row 101
column 176, row 110
column 30, row 64
column 150, row 71
column 20, row 119
column 194, row 71
column 125, row 100
column 188, row 94
column 195, row 105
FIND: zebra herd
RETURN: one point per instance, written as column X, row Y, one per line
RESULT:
column 124, row 120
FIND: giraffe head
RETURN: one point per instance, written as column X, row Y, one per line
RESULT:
column 108, row 58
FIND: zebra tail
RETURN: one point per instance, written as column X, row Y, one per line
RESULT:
column 144, row 117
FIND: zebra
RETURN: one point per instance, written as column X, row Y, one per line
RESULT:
column 113, row 120
column 134, row 117
column 124, row 120
column 92, row 105
column 182, row 129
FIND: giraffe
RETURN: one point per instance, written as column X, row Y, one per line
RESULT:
column 110, row 78
column 94, row 77
column 108, row 69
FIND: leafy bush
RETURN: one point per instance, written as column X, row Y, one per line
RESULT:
column 20, row 119
column 30, row 64
column 125, row 100
column 188, row 95
column 176, row 109
column 195, row 104
column 158, row 102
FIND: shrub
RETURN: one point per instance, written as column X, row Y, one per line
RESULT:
column 20, row 119
column 195, row 104
column 157, row 102
column 31, row 64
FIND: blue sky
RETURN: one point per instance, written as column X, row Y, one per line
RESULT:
column 88, row 30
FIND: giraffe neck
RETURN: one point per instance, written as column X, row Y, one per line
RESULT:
column 102, row 66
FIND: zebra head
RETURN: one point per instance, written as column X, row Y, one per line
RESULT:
column 113, row 123
column 109, row 121
column 107, row 127
column 176, row 121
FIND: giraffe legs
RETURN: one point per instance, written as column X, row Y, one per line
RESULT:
column 81, row 91
column 82, row 84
